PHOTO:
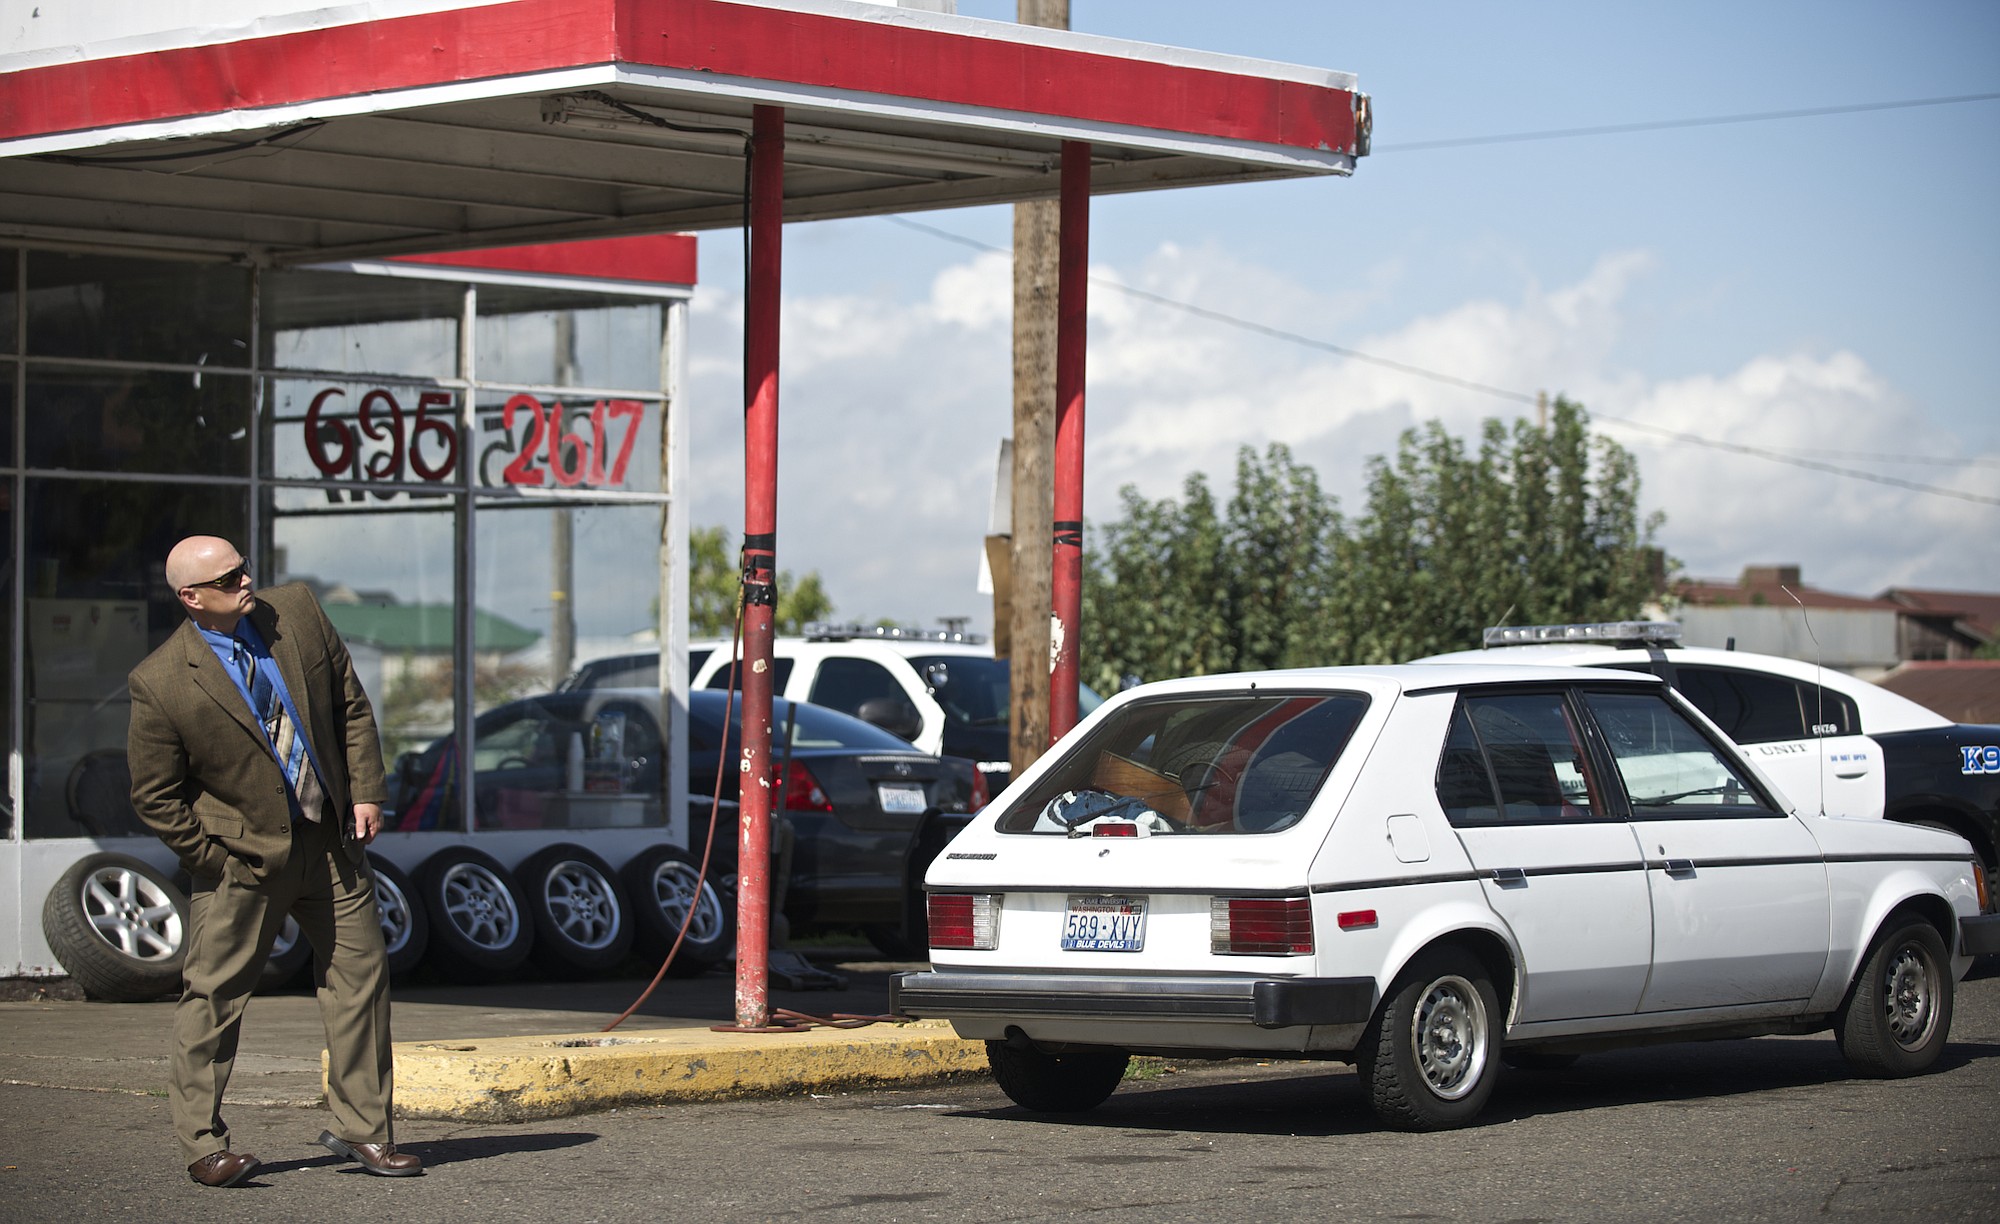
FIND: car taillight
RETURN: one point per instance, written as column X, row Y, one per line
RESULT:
column 982, row 794
column 1260, row 926
column 964, row 920
column 802, row 790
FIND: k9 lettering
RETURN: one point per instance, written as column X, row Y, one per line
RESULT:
column 1981, row 759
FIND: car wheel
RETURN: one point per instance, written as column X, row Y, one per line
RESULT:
column 1537, row 1060
column 661, row 883
column 291, row 952
column 1898, row 1012
column 406, row 928
column 582, row 918
column 118, row 927
column 480, row 928
column 1429, row 1055
column 1055, row 1083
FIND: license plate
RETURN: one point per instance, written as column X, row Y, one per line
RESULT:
column 901, row 798
column 1104, row 924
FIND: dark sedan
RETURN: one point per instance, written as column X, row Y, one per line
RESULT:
column 867, row 811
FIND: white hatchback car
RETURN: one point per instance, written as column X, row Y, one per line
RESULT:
column 1834, row 743
column 1428, row 871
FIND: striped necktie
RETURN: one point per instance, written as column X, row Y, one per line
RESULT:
column 290, row 746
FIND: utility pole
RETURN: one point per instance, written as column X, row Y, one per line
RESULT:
column 1031, row 553
column 562, row 544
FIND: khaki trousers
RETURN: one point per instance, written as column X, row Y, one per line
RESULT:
column 232, row 926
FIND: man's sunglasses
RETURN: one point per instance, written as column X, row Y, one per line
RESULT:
column 229, row 581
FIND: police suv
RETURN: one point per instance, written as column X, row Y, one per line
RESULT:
column 1835, row 744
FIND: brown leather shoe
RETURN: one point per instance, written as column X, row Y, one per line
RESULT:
column 381, row 1159
column 224, row 1168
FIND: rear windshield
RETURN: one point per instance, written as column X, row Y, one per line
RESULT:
column 1214, row 763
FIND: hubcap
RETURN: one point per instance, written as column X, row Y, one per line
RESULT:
column 480, row 906
column 1908, row 997
column 393, row 909
column 1448, row 1033
column 673, row 891
column 132, row 914
column 581, row 902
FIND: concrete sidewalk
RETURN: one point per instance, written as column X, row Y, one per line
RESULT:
column 509, row 1052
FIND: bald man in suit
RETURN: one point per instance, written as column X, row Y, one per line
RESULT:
column 254, row 757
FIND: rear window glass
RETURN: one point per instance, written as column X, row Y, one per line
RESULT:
column 810, row 727
column 1754, row 708
column 1222, row 763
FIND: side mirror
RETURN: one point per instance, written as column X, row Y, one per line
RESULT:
column 894, row 715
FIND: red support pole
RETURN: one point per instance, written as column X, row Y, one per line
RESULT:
column 1072, row 299
column 760, row 546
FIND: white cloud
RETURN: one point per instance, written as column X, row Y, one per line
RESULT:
column 892, row 411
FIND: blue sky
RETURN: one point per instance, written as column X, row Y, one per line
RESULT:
column 1826, row 287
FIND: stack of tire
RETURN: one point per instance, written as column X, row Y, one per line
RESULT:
column 119, row 927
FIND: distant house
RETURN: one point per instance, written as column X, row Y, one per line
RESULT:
column 1945, row 624
column 1964, row 690
column 1770, row 611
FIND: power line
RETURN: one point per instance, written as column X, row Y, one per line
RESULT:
column 1276, row 333
column 1662, row 125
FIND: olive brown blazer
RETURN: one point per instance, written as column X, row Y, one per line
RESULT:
column 203, row 776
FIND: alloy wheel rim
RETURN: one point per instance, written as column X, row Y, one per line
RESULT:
column 674, row 891
column 480, row 906
column 581, row 901
column 132, row 914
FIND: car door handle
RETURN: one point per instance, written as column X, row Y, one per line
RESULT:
column 1679, row 867
column 1510, row 877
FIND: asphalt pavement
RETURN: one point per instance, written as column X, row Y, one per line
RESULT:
column 514, row 1051
column 1775, row 1129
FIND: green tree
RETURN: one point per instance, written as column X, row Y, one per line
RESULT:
column 1535, row 525
column 1541, row 525
column 1175, row 588
column 715, row 581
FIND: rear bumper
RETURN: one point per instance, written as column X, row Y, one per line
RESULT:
column 1268, row 1003
column 1979, row 936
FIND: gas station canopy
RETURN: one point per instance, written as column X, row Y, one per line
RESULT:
column 385, row 128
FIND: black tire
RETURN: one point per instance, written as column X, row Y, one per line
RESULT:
column 1897, row 1015
column 1531, row 1059
column 1430, row 1056
column 481, row 927
column 291, row 952
column 118, row 927
column 583, row 919
column 660, row 882
column 406, row 927
column 99, row 795
column 1056, row 1083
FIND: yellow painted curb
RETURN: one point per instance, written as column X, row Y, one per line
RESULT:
column 513, row 1079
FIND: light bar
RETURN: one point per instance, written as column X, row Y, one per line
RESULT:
column 1629, row 632
column 826, row 631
